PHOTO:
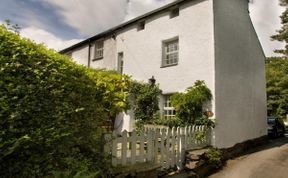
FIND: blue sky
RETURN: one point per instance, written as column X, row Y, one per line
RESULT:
column 61, row 23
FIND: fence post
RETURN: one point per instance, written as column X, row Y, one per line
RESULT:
column 114, row 148
column 124, row 148
column 141, row 152
column 150, row 146
column 133, row 147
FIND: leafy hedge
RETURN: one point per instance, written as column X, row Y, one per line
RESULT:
column 52, row 110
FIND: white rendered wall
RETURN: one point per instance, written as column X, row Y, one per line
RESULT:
column 240, row 75
column 109, row 56
column 143, row 49
column 80, row 55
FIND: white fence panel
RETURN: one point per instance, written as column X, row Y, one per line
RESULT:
column 159, row 145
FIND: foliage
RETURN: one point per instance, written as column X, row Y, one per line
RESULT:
column 52, row 110
column 282, row 34
column 277, row 86
column 171, row 122
column 144, row 100
column 189, row 105
column 214, row 157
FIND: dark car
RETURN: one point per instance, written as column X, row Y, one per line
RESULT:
column 276, row 127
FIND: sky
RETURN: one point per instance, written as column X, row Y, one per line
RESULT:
column 61, row 23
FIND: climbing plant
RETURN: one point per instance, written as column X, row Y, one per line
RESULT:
column 189, row 105
column 144, row 99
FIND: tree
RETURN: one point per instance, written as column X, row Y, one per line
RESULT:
column 282, row 34
column 277, row 86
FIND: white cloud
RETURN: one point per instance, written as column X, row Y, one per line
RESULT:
column 138, row 7
column 51, row 41
column 265, row 17
column 90, row 16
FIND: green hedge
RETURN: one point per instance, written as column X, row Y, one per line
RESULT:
column 52, row 110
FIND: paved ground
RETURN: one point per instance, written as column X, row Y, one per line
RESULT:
column 270, row 161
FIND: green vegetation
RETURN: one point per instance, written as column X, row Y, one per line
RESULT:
column 189, row 105
column 282, row 34
column 277, row 86
column 214, row 157
column 144, row 100
column 277, row 72
column 52, row 111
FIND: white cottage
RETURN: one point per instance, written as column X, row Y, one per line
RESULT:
column 185, row 41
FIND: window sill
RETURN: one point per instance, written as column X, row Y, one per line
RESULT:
column 96, row 59
column 170, row 65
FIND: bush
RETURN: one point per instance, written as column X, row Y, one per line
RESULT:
column 214, row 157
column 52, row 110
column 171, row 122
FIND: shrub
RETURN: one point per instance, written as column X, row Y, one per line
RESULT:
column 52, row 110
column 214, row 157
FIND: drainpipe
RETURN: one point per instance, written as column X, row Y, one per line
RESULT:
column 89, row 52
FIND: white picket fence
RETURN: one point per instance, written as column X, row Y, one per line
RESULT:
column 163, row 146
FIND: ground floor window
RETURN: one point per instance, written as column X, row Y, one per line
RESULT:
column 168, row 109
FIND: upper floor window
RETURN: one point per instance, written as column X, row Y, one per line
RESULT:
column 141, row 25
column 170, row 52
column 174, row 13
column 97, row 50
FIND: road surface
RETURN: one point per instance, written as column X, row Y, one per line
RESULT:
column 269, row 161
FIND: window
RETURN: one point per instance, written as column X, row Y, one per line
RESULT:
column 96, row 50
column 174, row 13
column 170, row 52
column 120, row 64
column 141, row 25
column 169, row 110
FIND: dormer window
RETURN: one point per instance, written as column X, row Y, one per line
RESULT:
column 174, row 12
column 141, row 26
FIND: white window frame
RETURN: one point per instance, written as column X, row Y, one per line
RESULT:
column 170, row 52
column 168, row 110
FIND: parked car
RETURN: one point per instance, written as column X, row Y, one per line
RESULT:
column 276, row 126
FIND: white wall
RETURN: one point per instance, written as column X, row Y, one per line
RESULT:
column 109, row 56
column 143, row 49
column 80, row 55
column 240, row 75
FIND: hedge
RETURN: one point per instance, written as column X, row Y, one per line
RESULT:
column 52, row 111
